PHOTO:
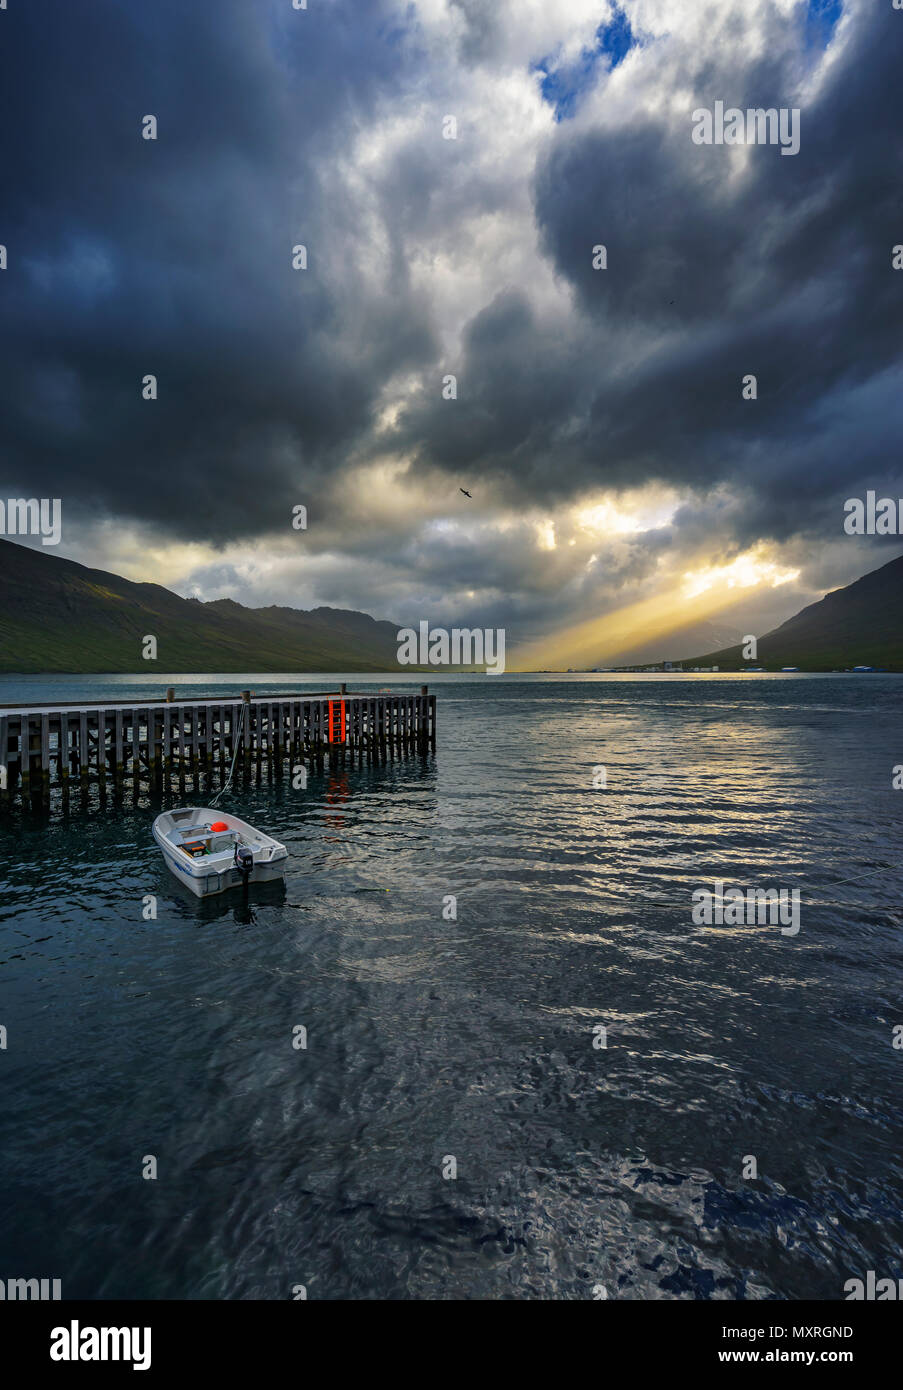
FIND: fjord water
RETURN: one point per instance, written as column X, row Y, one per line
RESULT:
column 473, row 1038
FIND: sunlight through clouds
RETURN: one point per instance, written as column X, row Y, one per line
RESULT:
column 745, row 572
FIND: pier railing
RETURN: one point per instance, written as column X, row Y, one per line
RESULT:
column 117, row 742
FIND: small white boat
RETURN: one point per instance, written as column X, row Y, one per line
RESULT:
column 210, row 850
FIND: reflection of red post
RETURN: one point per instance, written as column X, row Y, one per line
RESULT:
column 336, row 721
column 337, row 792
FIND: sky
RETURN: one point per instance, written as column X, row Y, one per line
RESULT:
column 626, row 498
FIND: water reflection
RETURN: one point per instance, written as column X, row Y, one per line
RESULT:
column 473, row 1035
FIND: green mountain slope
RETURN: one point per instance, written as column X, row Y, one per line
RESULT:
column 56, row 615
column 861, row 625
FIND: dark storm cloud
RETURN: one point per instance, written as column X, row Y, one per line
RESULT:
column 516, row 395
column 173, row 257
column 784, row 273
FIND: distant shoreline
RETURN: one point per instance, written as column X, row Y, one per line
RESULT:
column 431, row 673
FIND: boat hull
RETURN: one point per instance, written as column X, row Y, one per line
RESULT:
column 207, row 876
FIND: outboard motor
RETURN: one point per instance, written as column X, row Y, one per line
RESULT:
column 244, row 861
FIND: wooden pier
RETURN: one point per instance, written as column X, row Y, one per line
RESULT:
column 112, row 743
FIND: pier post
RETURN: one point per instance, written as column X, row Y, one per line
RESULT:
column 102, row 750
column 136, row 752
column 167, row 746
column 257, row 711
column 45, row 758
column 153, row 767
column 423, row 705
column 118, row 756
column 180, row 740
column 246, row 731
column 208, row 740
column 25, row 757
column 34, row 758
column 195, row 750
column 14, row 758
column 102, row 753
column 82, row 751
column 283, row 745
column 221, row 724
column 63, row 757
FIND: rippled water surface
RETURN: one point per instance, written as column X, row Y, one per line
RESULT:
column 473, row 1038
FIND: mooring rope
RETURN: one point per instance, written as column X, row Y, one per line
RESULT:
column 228, row 782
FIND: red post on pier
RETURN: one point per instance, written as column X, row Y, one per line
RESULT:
column 336, row 721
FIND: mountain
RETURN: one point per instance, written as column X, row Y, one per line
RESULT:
column 861, row 625
column 56, row 615
column 680, row 640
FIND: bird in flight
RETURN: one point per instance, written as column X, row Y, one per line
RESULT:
column 466, row 493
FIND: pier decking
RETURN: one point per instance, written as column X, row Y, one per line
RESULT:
column 114, row 743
